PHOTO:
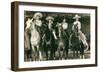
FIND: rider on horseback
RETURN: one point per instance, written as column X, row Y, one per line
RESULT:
column 63, row 39
column 35, row 39
column 77, row 24
column 50, row 37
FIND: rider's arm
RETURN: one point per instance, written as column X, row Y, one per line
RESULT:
column 54, row 34
column 79, row 25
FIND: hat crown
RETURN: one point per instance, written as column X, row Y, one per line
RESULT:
column 76, row 16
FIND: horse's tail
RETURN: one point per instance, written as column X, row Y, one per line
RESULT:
column 83, row 39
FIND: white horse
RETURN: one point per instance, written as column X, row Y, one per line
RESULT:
column 61, row 42
column 35, row 40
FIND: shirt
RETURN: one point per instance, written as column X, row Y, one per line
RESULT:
column 78, row 24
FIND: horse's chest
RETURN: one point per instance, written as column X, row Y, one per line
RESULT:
column 35, row 34
column 35, row 38
column 61, row 42
column 75, row 39
column 49, row 34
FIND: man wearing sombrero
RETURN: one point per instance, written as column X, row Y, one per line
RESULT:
column 37, row 19
column 81, row 35
column 76, row 22
column 36, row 34
column 50, row 37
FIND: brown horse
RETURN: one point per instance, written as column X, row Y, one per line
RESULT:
column 63, row 42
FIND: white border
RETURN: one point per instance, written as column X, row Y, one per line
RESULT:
column 23, row 64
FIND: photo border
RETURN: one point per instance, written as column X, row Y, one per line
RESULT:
column 15, row 34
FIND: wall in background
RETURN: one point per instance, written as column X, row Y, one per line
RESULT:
column 5, row 36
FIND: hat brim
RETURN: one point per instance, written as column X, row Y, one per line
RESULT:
column 76, row 17
column 50, row 18
column 37, row 14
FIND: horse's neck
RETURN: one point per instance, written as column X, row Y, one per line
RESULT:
column 75, row 34
column 33, row 28
column 60, row 31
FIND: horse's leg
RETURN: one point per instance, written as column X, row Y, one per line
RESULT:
column 74, row 54
column 39, row 52
column 77, row 53
column 80, row 53
column 46, row 52
column 51, row 52
column 33, row 53
column 28, row 58
column 58, row 52
column 82, row 56
column 54, row 50
column 63, row 53
column 66, row 52
column 70, row 53
column 25, row 55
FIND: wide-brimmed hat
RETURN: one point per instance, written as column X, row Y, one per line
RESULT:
column 76, row 16
column 50, row 18
column 37, row 14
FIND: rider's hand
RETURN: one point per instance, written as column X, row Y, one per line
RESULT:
column 48, row 42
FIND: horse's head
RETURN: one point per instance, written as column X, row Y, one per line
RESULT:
column 76, row 27
column 76, row 30
column 28, row 23
column 59, row 26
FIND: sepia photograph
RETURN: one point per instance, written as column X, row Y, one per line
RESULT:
column 56, row 36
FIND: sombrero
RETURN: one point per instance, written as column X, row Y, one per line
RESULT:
column 49, row 18
column 76, row 16
column 37, row 14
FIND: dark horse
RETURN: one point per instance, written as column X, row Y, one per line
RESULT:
column 76, row 44
column 49, row 42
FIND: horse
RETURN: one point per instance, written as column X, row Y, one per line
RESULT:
column 62, row 42
column 27, row 46
column 76, row 43
column 34, row 41
column 48, row 42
